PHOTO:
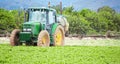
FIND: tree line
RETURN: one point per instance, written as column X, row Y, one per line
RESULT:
column 88, row 22
column 83, row 21
column 10, row 19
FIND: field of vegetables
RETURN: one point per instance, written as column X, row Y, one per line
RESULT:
column 59, row 55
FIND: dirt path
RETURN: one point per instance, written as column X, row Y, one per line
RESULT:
column 80, row 42
column 4, row 40
column 91, row 42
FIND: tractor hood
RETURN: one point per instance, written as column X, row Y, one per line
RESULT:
column 30, row 24
column 33, row 27
column 27, row 24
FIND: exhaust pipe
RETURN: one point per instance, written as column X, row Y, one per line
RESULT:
column 61, row 8
column 48, row 4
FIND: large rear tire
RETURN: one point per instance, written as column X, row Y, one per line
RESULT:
column 59, row 36
column 14, row 38
column 43, row 39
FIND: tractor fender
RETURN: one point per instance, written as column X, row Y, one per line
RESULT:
column 53, row 28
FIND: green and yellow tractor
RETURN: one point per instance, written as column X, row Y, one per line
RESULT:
column 42, row 27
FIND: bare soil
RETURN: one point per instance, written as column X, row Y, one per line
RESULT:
column 74, row 41
column 4, row 40
column 88, row 41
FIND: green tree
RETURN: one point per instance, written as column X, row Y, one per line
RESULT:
column 9, row 19
column 116, row 21
column 68, row 10
column 6, row 20
column 107, row 9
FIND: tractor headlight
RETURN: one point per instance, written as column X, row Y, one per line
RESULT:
column 28, row 29
column 24, row 29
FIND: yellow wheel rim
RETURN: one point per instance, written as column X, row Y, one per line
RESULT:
column 43, row 40
column 59, row 37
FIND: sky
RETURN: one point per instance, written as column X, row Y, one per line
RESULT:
column 77, row 4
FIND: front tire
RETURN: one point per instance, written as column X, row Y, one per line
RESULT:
column 59, row 36
column 14, row 38
column 43, row 39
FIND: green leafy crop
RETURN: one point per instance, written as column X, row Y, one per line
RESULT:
column 59, row 55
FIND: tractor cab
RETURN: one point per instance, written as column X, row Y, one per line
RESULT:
column 42, row 15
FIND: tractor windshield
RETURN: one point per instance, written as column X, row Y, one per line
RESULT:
column 37, row 16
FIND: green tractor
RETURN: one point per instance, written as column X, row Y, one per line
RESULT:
column 40, row 28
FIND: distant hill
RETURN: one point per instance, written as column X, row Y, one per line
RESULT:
column 78, row 4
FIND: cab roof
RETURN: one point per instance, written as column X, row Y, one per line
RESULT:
column 45, row 8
